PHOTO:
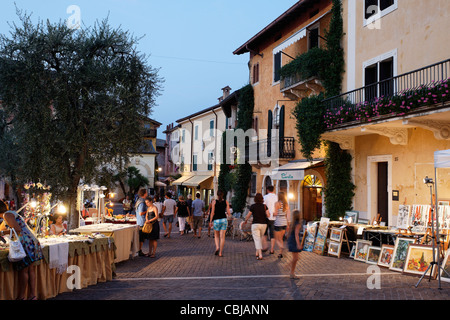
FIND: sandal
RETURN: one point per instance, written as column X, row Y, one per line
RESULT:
column 259, row 258
column 33, row 298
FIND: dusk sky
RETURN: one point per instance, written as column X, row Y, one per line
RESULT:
column 191, row 42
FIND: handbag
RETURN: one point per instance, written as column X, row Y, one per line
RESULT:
column 147, row 228
column 16, row 251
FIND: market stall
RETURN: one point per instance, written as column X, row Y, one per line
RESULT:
column 126, row 237
column 70, row 262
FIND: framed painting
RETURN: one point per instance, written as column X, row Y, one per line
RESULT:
column 373, row 255
column 419, row 259
column 352, row 252
column 310, row 237
column 445, row 271
column 362, row 249
column 400, row 253
column 320, row 242
column 351, row 216
column 334, row 249
column 403, row 216
column 386, row 254
column 336, row 234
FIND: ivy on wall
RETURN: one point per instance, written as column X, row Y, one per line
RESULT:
column 339, row 189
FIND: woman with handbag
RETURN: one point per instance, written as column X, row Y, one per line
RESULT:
column 31, row 246
column 152, row 220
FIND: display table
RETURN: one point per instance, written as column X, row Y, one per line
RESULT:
column 93, row 257
column 89, row 221
column 126, row 237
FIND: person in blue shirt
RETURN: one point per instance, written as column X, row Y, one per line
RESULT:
column 141, row 210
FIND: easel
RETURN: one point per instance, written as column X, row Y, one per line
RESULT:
column 343, row 239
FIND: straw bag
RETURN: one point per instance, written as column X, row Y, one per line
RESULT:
column 16, row 251
column 147, row 228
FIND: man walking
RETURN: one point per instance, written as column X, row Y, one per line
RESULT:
column 198, row 207
column 269, row 200
column 141, row 210
column 168, row 212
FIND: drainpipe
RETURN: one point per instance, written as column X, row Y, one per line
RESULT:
column 215, row 154
column 192, row 145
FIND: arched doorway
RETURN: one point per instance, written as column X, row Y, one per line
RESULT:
column 312, row 198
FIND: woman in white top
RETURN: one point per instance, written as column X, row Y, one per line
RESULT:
column 281, row 223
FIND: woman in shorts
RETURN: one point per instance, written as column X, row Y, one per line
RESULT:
column 281, row 223
column 218, row 220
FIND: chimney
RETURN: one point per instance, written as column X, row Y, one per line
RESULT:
column 226, row 92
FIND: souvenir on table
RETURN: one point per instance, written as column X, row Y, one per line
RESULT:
column 310, row 237
column 419, row 257
column 419, row 217
column 362, row 249
column 321, row 237
column 373, row 255
column 386, row 254
column 444, row 217
column 400, row 253
column 445, row 271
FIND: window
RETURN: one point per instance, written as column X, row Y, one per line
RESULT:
column 276, row 66
column 255, row 75
column 372, row 8
column 194, row 162
column 210, row 160
column 253, row 184
column 183, row 135
column 196, row 133
column 377, row 79
column 313, row 38
column 211, row 128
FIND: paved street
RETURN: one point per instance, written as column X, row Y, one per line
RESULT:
column 186, row 268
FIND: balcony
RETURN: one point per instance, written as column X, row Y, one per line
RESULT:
column 416, row 93
column 271, row 149
column 301, row 77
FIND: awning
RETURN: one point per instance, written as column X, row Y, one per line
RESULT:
column 196, row 180
column 293, row 171
column 297, row 36
column 180, row 181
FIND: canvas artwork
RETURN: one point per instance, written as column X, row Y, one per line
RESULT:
column 373, row 255
column 403, row 217
column 445, row 271
column 310, row 237
column 386, row 254
column 419, row 217
column 444, row 217
column 418, row 259
column 336, row 234
column 353, row 215
column 400, row 253
column 321, row 237
column 362, row 249
column 352, row 252
column 334, row 249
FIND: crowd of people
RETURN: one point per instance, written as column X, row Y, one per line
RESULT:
column 271, row 222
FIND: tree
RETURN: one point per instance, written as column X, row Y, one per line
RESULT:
column 74, row 97
column 135, row 179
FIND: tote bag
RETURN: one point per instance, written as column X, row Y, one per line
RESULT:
column 16, row 251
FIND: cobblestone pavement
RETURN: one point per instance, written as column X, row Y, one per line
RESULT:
column 185, row 268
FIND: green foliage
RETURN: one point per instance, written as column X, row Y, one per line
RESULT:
column 243, row 171
column 339, row 190
column 309, row 64
column 135, row 179
column 310, row 125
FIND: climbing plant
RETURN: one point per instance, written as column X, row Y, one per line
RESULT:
column 243, row 170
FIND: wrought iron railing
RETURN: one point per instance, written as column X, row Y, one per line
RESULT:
column 266, row 149
column 374, row 95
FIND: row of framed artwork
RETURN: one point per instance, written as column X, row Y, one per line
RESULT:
column 419, row 216
column 405, row 256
